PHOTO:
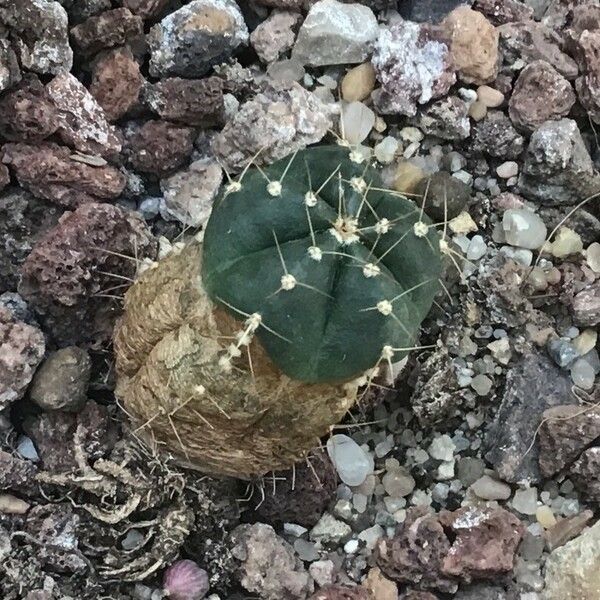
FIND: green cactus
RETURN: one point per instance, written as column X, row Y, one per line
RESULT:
column 341, row 271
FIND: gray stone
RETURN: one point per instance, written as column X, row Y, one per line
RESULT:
column 562, row 352
column 41, row 33
column 335, row 33
column 413, row 68
column 532, row 386
column 447, row 119
column 280, row 120
column 329, row 529
column 489, row 488
column 192, row 39
column 485, row 591
column 495, row 135
column 446, row 196
column 469, row 470
column 573, row 571
column 62, row 380
column 557, row 168
column 188, row 195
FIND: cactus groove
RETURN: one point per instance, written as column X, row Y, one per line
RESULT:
column 341, row 271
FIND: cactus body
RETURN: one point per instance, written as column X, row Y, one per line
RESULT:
column 340, row 270
column 242, row 422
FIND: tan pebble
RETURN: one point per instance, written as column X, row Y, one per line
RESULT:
column 545, row 517
column 381, row 587
column 462, row 224
column 489, row 96
column 11, row 505
column 585, row 341
column 477, row 110
column 473, row 45
column 358, row 82
column 566, row 242
column 408, row 176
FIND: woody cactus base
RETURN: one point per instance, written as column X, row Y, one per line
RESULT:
column 242, row 422
column 239, row 355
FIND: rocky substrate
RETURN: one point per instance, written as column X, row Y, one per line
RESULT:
column 472, row 474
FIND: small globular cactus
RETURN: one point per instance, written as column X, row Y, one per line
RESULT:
column 236, row 355
column 338, row 271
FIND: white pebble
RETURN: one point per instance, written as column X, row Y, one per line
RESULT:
column 351, row 462
column 357, row 120
column 507, row 169
column 592, row 256
column 582, row 374
column 386, row 149
column 442, row 448
column 477, row 248
column 525, row 501
column 482, row 385
column 523, row 228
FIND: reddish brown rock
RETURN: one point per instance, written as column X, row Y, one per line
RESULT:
column 4, row 176
column 540, row 94
column 588, row 85
column 529, row 41
column 196, row 102
column 76, row 263
column 504, row 11
column 160, row 147
column 22, row 348
column 416, row 553
column 26, row 112
column 473, row 45
column 82, row 123
column 145, row 8
column 485, row 544
column 301, row 497
column 567, row 529
column 116, row 83
column 585, row 474
column 48, row 171
column 107, row 30
column 586, row 306
column 564, row 433
column 342, row 592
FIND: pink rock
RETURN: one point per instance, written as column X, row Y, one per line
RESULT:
column 50, row 171
column 412, row 66
column 116, row 82
column 504, row 11
column 341, row 592
column 81, row 120
column 275, row 35
column 485, row 544
column 22, row 348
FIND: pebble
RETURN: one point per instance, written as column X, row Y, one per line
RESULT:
column 583, row 374
column 489, row 97
column 334, row 33
column 445, row 470
column 306, row 550
column 562, row 352
column 349, row 459
column 545, row 517
column 523, row 228
column 482, row 385
column 356, row 122
column 385, row 151
column 294, row 529
column 351, row 546
column 358, row 83
column 488, row 488
column 478, row 111
column 26, row 449
column 407, row 177
column 398, row 483
column 442, row 448
column 371, row 536
column 525, row 501
column 566, row 242
column 508, row 169
column 477, row 248
column 329, row 529
column 592, row 256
